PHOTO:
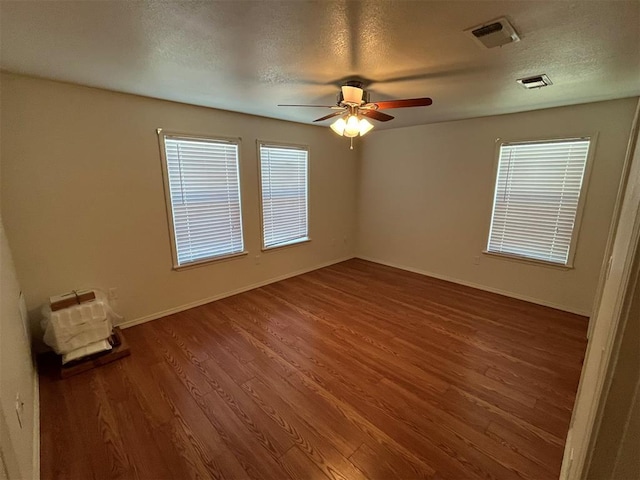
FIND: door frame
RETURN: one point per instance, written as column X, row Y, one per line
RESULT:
column 611, row 307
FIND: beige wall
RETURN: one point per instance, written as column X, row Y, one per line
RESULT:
column 84, row 203
column 83, row 199
column 18, row 444
column 83, row 206
column 425, row 199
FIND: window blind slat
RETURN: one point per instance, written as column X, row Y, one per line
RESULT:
column 536, row 198
column 284, row 180
column 204, row 190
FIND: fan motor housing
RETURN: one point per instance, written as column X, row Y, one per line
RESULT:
column 365, row 94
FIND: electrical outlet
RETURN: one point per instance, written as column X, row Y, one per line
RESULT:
column 257, row 259
column 19, row 408
column 113, row 293
column 476, row 260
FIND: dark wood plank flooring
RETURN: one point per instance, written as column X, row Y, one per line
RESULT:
column 355, row 371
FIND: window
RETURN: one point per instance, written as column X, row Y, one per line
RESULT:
column 283, row 180
column 537, row 199
column 203, row 197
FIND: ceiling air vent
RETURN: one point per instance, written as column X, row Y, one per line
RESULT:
column 494, row 33
column 537, row 81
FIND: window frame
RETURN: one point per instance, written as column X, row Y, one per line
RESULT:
column 296, row 146
column 573, row 246
column 162, row 134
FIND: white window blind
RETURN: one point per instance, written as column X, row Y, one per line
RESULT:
column 284, row 176
column 204, row 192
column 536, row 199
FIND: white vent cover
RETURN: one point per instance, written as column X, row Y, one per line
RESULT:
column 495, row 33
column 537, row 81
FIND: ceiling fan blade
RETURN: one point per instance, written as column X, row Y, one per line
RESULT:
column 331, row 115
column 409, row 102
column 319, row 106
column 376, row 115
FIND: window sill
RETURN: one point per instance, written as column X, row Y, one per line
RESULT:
column 530, row 261
column 292, row 243
column 206, row 261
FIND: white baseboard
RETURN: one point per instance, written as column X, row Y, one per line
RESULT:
column 197, row 303
column 518, row 296
column 36, row 425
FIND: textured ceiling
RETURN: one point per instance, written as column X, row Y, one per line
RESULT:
column 250, row 56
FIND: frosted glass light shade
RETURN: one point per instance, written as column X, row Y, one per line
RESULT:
column 352, row 128
column 365, row 126
column 338, row 126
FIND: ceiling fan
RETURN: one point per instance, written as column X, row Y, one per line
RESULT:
column 354, row 108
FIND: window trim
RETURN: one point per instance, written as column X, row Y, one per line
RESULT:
column 573, row 246
column 162, row 134
column 296, row 146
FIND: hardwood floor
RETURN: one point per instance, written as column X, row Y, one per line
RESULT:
column 355, row 371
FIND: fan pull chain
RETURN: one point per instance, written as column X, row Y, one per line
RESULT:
column 351, row 144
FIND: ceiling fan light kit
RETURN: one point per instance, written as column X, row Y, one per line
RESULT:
column 353, row 106
column 351, row 127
